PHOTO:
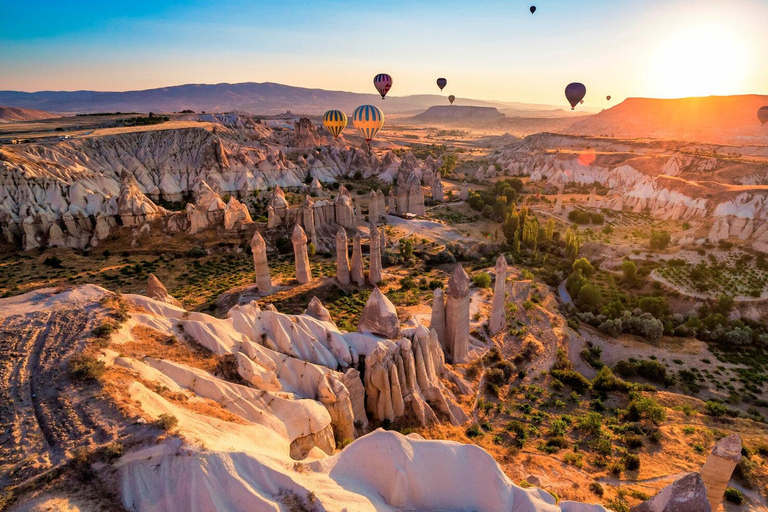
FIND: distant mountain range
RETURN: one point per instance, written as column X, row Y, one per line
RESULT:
column 717, row 119
column 254, row 98
column 13, row 114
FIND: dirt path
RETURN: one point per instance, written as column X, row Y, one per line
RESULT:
column 41, row 412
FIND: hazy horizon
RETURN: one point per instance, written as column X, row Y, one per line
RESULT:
column 489, row 50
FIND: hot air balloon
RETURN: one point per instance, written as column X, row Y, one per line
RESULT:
column 368, row 120
column 581, row 102
column 575, row 93
column 451, row 98
column 608, row 97
column 442, row 82
column 335, row 121
column 383, row 83
column 533, row 9
column 762, row 115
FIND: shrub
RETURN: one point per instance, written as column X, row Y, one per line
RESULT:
column 167, row 422
column 733, row 496
column 592, row 424
column 85, row 368
column 631, row 462
column 483, row 280
column 111, row 452
column 572, row 378
column 612, row 328
column 589, row 298
column 585, row 266
column 596, row 489
column 53, row 262
column 605, row 380
column 474, row 431
column 642, row 407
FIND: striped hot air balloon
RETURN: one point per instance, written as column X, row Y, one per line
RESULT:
column 335, row 121
column 368, row 120
column 383, row 83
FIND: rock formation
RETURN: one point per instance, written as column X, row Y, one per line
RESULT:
column 437, row 188
column 156, row 290
column 133, row 207
column 259, row 251
column 457, row 316
column 374, row 271
column 415, row 196
column 392, row 202
column 719, row 467
column 376, row 206
column 308, row 218
column 342, row 256
column 315, row 309
column 686, row 494
column 356, row 267
column 437, row 322
column 236, row 215
column 498, row 313
column 464, row 193
column 383, row 238
column 303, row 271
column 592, row 201
column 379, row 316
column 304, row 134
column 315, row 187
column 558, row 209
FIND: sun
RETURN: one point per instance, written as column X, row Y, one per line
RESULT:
column 701, row 60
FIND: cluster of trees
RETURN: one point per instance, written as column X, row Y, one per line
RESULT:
column 585, row 217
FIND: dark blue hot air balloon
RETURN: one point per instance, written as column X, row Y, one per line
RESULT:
column 762, row 115
column 533, row 9
column 575, row 92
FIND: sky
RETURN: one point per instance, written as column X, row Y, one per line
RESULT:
column 487, row 49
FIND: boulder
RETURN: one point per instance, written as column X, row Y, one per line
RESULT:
column 686, row 494
column 379, row 316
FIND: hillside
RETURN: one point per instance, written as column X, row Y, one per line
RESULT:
column 458, row 113
column 719, row 119
column 13, row 114
column 257, row 98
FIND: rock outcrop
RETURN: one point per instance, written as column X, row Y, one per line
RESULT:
column 303, row 271
column 498, row 318
column 558, row 209
column 157, row 291
column 379, row 316
column 464, row 193
column 315, row 309
column 374, row 269
column 133, row 207
column 719, row 467
column 686, row 494
column 437, row 188
column 457, row 316
column 437, row 322
column 342, row 256
column 260, row 264
column 356, row 267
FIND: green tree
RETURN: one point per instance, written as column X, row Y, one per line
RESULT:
column 659, row 239
column 585, row 266
column 572, row 244
column 589, row 298
column 629, row 272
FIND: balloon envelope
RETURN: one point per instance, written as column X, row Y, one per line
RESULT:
column 383, row 83
column 442, row 82
column 533, row 9
column 451, row 98
column 575, row 92
column 608, row 98
column 762, row 115
column 368, row 120
column 335, row 121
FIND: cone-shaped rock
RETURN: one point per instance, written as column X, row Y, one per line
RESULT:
column 299, row 239
column 356, row 269
column 259, row 250
column 379, row 316
column 498, row 314
column 374, row 272
column 342, row 256
column 438, row 316
column 156, row 290
column 719, row 467
column 315, row 309
column 457, row 315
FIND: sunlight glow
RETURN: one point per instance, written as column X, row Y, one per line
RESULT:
column 700, row 60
